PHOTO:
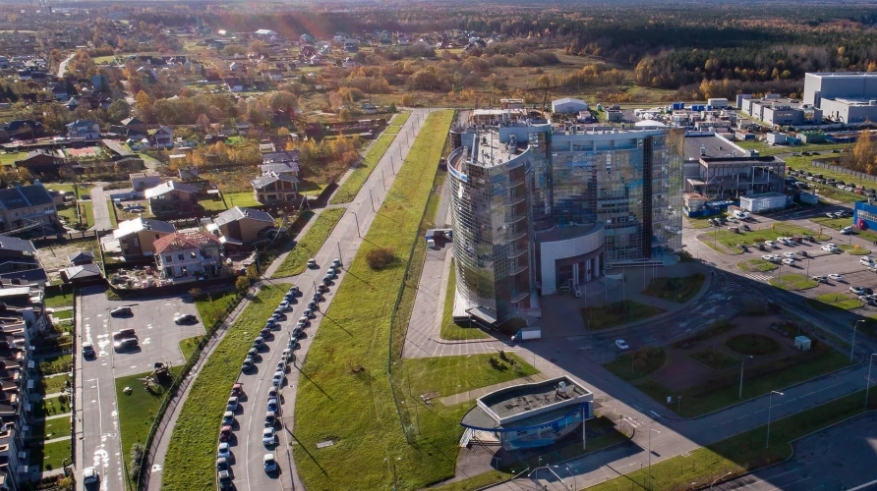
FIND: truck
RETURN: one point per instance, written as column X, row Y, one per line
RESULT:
column 527, row 333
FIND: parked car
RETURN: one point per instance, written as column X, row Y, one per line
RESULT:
column 336, row 263
column 820, row 279
column 224, row 480
column 185, row 319
column 225, row 433
column 228, row 418
column 278, row 378
column 124, row 334
column 835, row 277
column 248, row 364
column 312, row 263
column 856, row 290
column 121, row 312
column 224, row 451
column 222, row 464
column 269, row 463
column 866, row 261
column 847, row 230
column 232, row 404
column 268, row 437
column 789, row 261
column 125, row 344
column 90, row 476
column 88, row 350
column 272, row 392
column 272, row 403
column 790, row 254
column 621, row 344
column 237, row 389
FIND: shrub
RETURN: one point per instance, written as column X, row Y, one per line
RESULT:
column 136, row 457
column 380, row 258
column 242, row 283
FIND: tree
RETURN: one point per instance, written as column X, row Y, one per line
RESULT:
column 863, row 152
column 380, row 258
column 119, row 110
column 344, row 115
column 409, row 100
column 242, row 283
column 392, row 107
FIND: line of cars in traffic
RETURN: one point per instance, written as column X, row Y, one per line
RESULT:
column 272, row 408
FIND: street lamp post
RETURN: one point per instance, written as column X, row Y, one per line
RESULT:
column 868, row 380
column 650, row 454
column 356, row 217
column 853, row 344
column 740, row 395
column 769, row 407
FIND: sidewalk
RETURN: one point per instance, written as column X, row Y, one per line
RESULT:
column 291, row 244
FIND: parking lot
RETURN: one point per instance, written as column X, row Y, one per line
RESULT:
column 159, row 341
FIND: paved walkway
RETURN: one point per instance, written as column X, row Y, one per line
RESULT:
column 56, row 440
column 58, row 416
column 100, row 209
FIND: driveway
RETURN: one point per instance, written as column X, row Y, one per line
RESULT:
column 100, row 209
column 98, row 425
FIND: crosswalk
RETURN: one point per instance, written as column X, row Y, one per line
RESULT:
column 759, row 277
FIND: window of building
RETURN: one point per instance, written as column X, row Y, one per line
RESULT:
column 180, row 257
column 168, row 258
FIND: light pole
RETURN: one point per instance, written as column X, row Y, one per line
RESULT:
column 650, row 454
column 372, row 199
column 868, row 380
column 740, row 395
column 356, row 217
column 574, row 483
column 769, row 407
column 853, row 344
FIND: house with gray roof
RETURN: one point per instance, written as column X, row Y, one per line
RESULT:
column 172, row 197
column 27, row 208
column 241, row 226
column 273, row 188
column 137, row 237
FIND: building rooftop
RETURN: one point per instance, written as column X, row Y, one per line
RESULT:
column 182, row 242
column 238, row 213
column 749, row 161
column 169, row 186
column 136, row 225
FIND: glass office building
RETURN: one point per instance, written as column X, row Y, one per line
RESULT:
column 539, row 209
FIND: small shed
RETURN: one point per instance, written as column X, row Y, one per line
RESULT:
column 80, row 258
column 802, row 343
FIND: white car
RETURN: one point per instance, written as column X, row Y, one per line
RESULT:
column 270, row 463
column 791, row 254
column 835, row 277
column 789, row 261
column 847, row 230
column 90, row 476
column 866, row 261
column 621, row 344
column 224, row 451
column 268, row 436
column 771, row 244
column 767, row 257
column 829, row 248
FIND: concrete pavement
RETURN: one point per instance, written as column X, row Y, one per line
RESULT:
column 100, row 209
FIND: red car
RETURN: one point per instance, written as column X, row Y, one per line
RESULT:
column 225, row 433
column 237, row 390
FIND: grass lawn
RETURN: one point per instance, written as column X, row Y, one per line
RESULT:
column 450, row 375
column 835, row 223
column 70, row 214
column 309, row 188
column 214, row 204
column 51, row 455
column 827, row 301
column 244, row 199
column 450, row 330
column 675, row 289
column 714, row 359
column 137, row 411
column 297, row 260
column 64, row 299
column 617, row 313
column 740, row 453
column 11, row 158
column 697, row 400
column 360, row 174
column 793, row 282
column 110, row 207
column 190, row 457
column 51, row 406
column 753, row 344
column 730, row 240
column 755, row 265
column 212, row 306
column 480, row 481
column 346, row 393
column 627, row 368
column 63, row 314
column 853, row 249
column 55, row 428
column 52, row 385
column 188, row 346
column 56, row 364
column 702, row 222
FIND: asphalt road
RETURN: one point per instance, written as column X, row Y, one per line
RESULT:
column 839, row 458
column 100, row 209
column 248, row 450
column 98, row 431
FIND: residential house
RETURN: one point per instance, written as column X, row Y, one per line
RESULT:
column 287, row 162
column 18, row 261
column 237, row 67
column 27, row 208
column 241, row 226
column 24, row 128
column 59, row 92
column 81, row 275
column 368, row 108
column 80, row 258
column 348, row 63
column 137, row 237
column 234, row 85
column 182, row 255
column 172, row 197
column 141, row 181
column 163, row 137
column 275, row 188
column 83, row 129
column 134, row 126
column 72, row 104
column 242, row 127
column 40, row 162
column 272, row 75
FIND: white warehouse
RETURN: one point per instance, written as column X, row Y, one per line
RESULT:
column 757, row 203
column 568, row 105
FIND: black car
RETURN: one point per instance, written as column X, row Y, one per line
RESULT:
column 185, row 319
column 121, row 312
column 868, row 291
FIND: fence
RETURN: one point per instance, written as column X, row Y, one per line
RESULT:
column 178, row 388
column 861, row 176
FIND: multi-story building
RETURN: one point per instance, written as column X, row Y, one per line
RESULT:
column 172, row 197
column 273, row 188
column 539, row 209
column 27, row 208
column 137, row 237
column 241, row 226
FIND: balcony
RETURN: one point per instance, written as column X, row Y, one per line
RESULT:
column 511, row 219
column 518, row 269
column 513, row 235
column 519, row 297
column 516, row 252
column 513, row 200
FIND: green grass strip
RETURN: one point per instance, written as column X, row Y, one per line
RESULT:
column 450, row 330
column 189, row 463
column 297, row 259
column 360, row 174
column 137, row 412
column 344, row 393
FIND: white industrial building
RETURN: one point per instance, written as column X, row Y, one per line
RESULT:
column 843, row 97
column 568, row 105
column 758, row 203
